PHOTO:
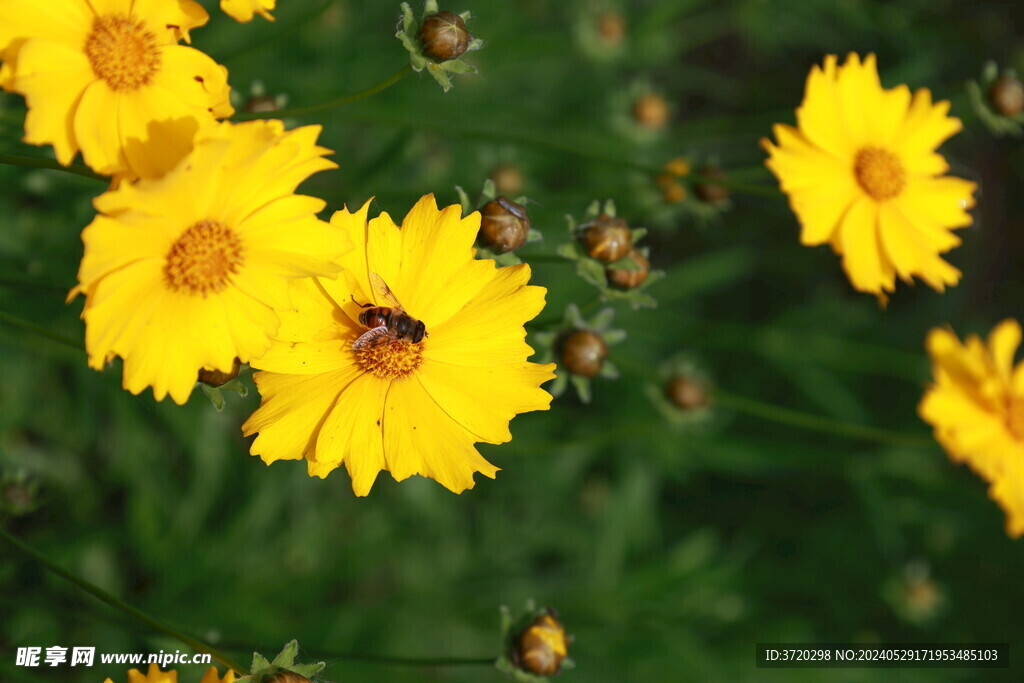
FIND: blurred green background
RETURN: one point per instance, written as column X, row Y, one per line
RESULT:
column 669, row 550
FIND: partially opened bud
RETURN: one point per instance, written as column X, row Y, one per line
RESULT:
column 583, row 353
column 710, row 191
column 607, row 239
column 444, row 36
column 508, row 179
column 651, row 111
column 687, row 393
column 504, row 225
column 543, row 646
column 216, row 378
column 611, row 27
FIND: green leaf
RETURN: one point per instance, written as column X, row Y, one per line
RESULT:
column 286, row 658
column 639, row 234
column 592, row 272
column 602, row 319
column 582, row 387
column 214, row 394
column 570, row 250
column 463, row 199
column 489, row 192
column 430, row 7
column 613, row 336
column 458, row 66
column 609, row 370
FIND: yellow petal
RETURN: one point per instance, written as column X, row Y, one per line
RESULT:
column 1003, row 341
column 292, row 412
column 910, row 251
column 64, row 21
column 352, row 434
column 420, row 438
column 96, row 131
column 862, row 258
column 171, row 21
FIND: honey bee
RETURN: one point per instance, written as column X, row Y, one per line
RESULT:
column 385, row 324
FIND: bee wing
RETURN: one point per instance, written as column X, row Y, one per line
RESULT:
column 383, row 292
column 370, row 338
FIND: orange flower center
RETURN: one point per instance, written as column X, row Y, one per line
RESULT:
column 122, row 52
column 203, row 259
column 879, row 172
column 1015, row 417
column 392, row 359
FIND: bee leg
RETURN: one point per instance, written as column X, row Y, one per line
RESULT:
column 353, row 296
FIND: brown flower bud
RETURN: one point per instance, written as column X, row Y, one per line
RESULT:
column 688, row 393
column 672, row 191
column 216, row 378
column 542, row 646
column 583, row 353
column 1007, row 95
column 286, row 677
column 258, row 104
column 607, row 239
column 612, row 28
column 630, row 279
column 505, row 225
column 444, row 36
column 709, row 191
column 508, row 179
column 651, row 111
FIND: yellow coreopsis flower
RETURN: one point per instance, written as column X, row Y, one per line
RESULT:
column 110, row 79
column 977, row 409
column 245, row 10
column 155, row 675
column 412, row 404
column 862, row 174
column 189, row 271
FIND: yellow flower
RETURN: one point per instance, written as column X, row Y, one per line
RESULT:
column 188, row 271
column 862, row 174
column 109, row 78
column 244, row 10
column 155, row 675
column 977, row 409
column 408, row 408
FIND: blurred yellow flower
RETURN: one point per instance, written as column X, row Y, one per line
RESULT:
column 977, row 409
column 407, row 407
column 188, row 271
column 244, row 10
column 862, row 174
column 110, row 79
column 155, row 675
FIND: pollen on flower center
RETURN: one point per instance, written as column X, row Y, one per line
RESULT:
column 203, row 259
column 391, row 360
column 122, row 52
column 879, row 172
column 1015, row 417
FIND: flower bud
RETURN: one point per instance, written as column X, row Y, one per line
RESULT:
column 672, row 191
column 508, row 179
column 607, row 239
column 630, row 279
column 505, row 225
column 583, row 353
column 680, row 166
column 286, row 677
column 216, row 378
column 1007, row 95
column 260, row 104
column 444, row 36
column 542, row 646
column 709, row 191
column 687, row 393
column 651, row 111
column 612, row 28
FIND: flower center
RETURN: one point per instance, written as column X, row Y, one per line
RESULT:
column 122, row 52
column 391, row 360
column 879, row 172
column 1015, row 417
column 203, row 259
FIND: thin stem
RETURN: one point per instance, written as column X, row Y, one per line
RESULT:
column 816, row 423
column 417, row 661
column 39, row 162
column 14, row 321
column 297, row 112
column 118, row 604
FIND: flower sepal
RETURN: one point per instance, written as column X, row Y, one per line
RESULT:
column 264, row 671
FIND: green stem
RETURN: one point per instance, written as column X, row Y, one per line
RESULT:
column 118, row 604
column 14, row 321
column 298, row 112
column 816, row 423
column 39, row 162
column 417, row 661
